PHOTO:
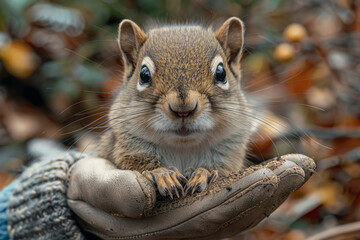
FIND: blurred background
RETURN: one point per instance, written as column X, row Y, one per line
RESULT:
column 59, row 65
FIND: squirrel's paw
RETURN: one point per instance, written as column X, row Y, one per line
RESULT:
column 199, row 179
column 168, row 181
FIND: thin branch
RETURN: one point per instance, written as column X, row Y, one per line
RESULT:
column 322, row 133
column 337, row 231
column 349, row 157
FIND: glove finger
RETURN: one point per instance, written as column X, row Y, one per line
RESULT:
column 306, row 163
column 291, row 177
column 291, row 166
column 120, row 192
column 191, row 217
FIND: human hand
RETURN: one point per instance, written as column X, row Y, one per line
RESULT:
column 118, row 203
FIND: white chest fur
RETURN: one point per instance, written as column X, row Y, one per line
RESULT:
column 190, row 157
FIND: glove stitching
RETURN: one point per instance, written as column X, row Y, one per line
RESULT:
column 69, row 174
column 235, row 219
column 149, row 199
column 296, row 169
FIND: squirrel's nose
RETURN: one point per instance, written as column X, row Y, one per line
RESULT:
column 183, row 113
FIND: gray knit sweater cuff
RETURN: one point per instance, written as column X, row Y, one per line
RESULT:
column 38, row 208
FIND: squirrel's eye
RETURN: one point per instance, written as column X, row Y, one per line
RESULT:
column 145, row 76
column 220, row 74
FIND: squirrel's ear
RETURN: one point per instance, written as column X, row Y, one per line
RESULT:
column 231, row 37
column 131, row 38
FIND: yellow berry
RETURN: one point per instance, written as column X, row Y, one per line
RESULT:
column 284, row 52
column 295, row 33
column 19, row 59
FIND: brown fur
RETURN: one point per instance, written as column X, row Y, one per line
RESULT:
column 183, row 80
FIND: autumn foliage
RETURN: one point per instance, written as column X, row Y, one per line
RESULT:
column 60, row 64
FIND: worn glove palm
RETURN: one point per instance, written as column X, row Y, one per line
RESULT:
column 113, row 203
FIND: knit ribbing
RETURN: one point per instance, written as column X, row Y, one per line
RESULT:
column 38, row 207
column 5, row 195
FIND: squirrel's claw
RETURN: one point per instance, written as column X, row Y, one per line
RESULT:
column 188, row 172
column 199, row 180
column 213, row 176
column 169, row 182
column 182, row 180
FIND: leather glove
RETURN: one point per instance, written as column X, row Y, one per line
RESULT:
column 113, row 203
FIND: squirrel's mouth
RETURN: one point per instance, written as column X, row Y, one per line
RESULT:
column 183, row 132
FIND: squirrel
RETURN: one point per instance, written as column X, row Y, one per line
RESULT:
column 180, row 118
